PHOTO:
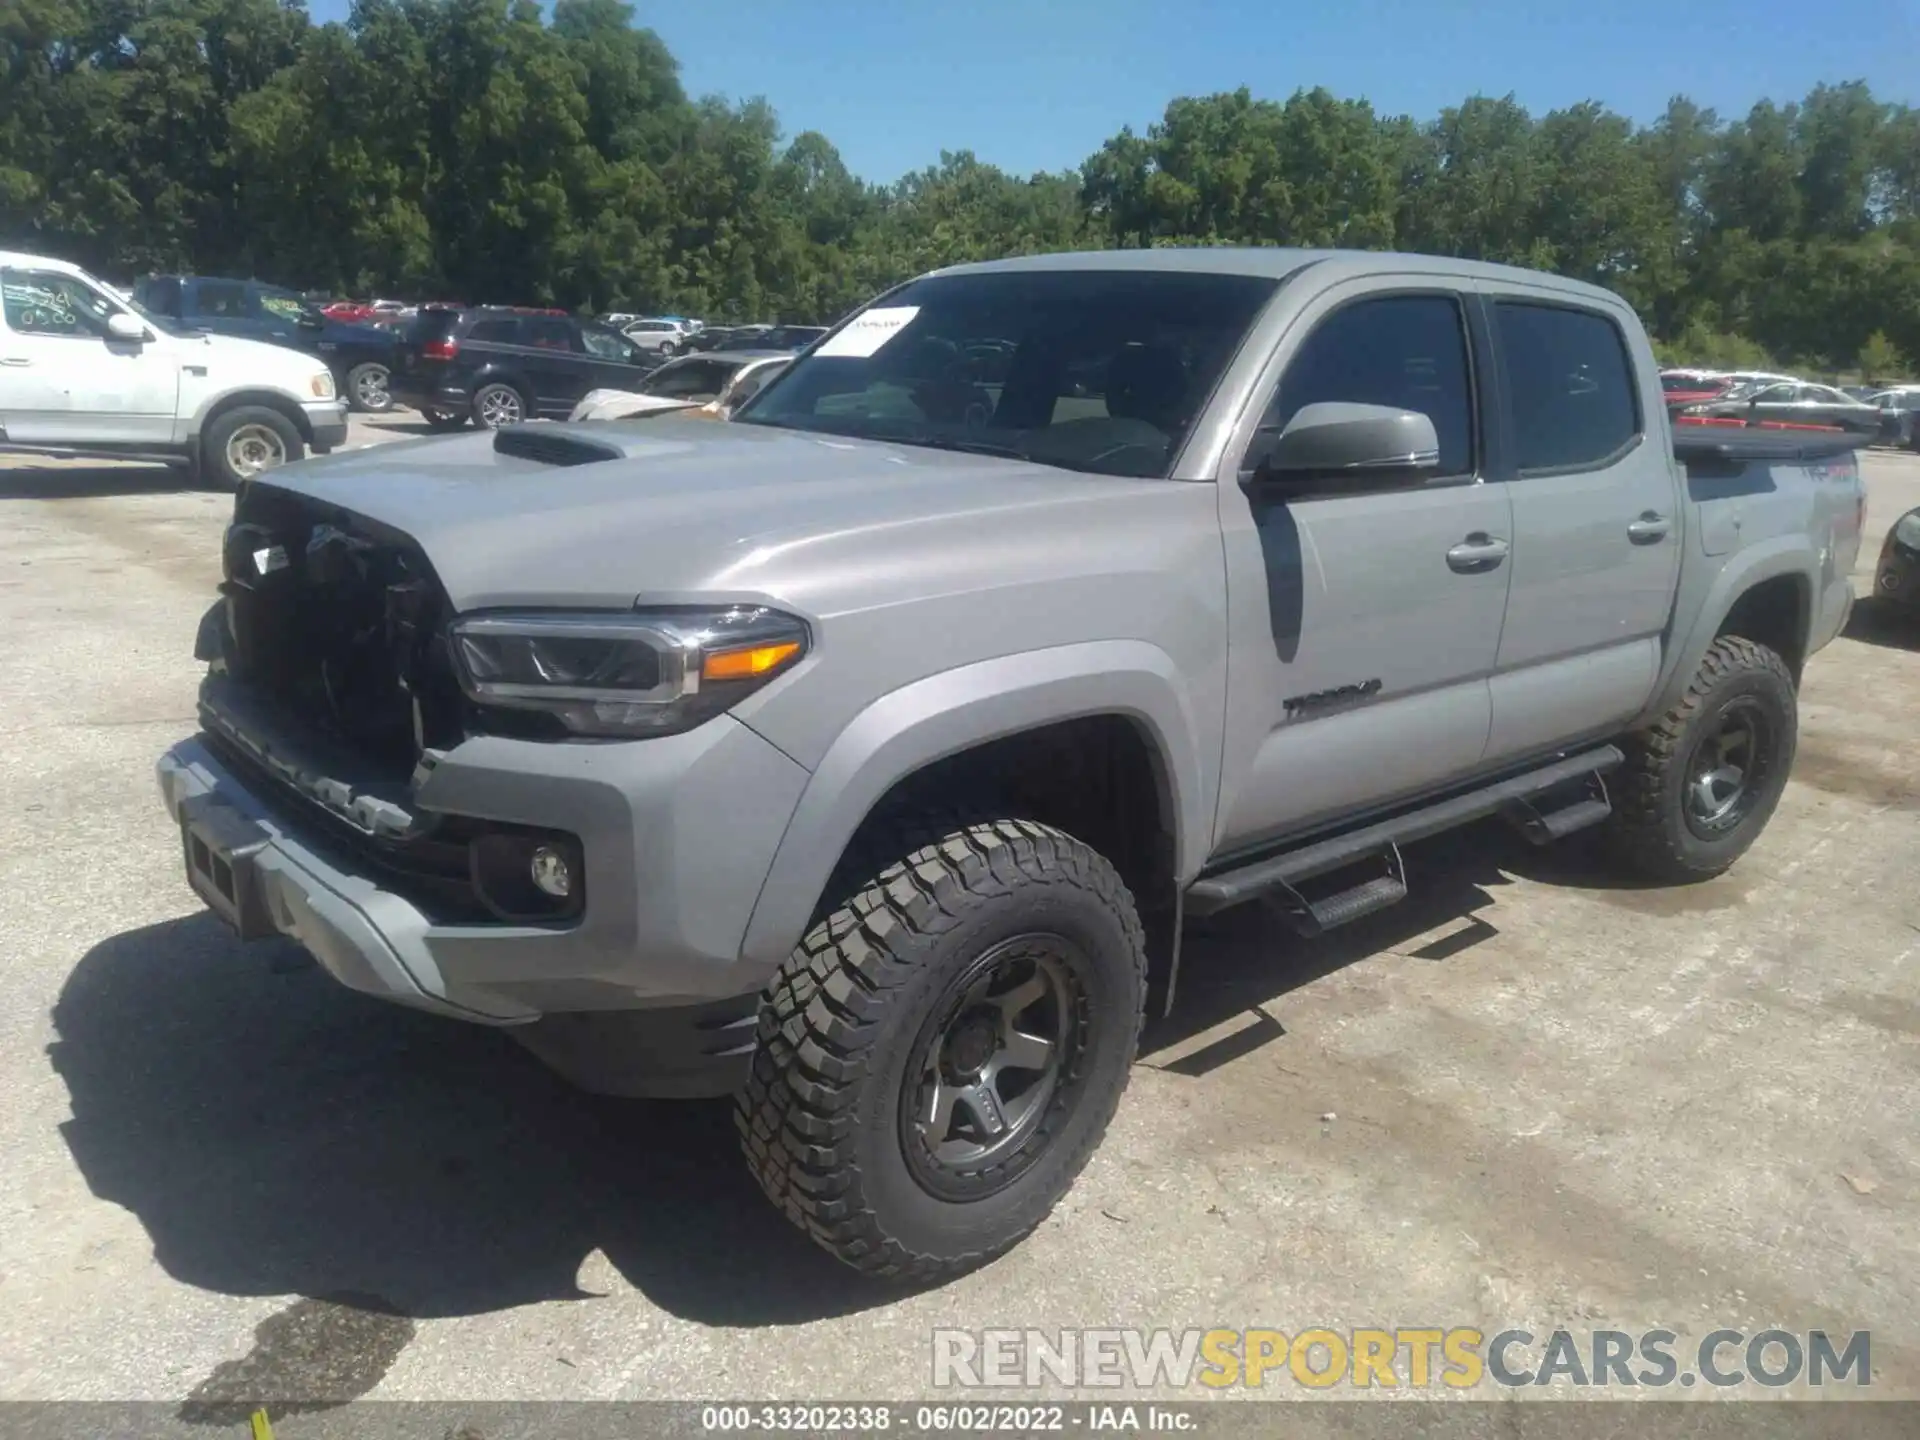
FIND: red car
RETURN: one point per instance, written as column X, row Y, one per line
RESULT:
column 1687, row 388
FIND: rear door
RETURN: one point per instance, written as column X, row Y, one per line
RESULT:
column 1596, row 518
column 1365, row 615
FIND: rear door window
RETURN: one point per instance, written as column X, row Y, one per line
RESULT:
column 495, row 332
column 220, row 300
column 545, row 334
column 1569, row 386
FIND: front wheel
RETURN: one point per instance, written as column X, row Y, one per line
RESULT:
column 367, row 388
column 942, row 1053
column 1701, row 783
column 247, row 441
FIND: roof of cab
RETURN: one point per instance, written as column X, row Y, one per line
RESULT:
column 1272, row 261
column 38, row 262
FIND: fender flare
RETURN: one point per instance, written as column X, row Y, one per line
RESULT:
column 1770, row 559
column 953, row 711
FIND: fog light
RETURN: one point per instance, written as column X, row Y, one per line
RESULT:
column 551, row 872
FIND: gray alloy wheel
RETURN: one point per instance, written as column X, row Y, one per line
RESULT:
column 496, row 405
column 367, row 388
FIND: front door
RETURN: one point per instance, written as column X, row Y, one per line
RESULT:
column 65, row 380
column 1364, row 618
column 1597, row 520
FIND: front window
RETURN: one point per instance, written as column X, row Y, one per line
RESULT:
column 289, row 307
column 1099, row 370
column 603, row 344
column 45, row 302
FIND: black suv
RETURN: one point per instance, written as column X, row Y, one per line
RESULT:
column 498, row 366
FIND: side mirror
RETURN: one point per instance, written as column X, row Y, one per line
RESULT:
column 1336, row 439
column 122, row 326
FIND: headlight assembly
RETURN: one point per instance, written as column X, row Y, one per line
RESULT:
column 1907, row 530
column 625, row 676
column 322, row 385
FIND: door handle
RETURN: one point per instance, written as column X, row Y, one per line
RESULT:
column 1476, row 554
column 1651, row 526
column 15, row 360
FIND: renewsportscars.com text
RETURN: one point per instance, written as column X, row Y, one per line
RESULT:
column 1460, row 1358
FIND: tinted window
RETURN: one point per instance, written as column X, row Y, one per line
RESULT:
column 1407, row 351
column 162, row 296
column 608, row 346
column 1570, row 383
column 548, row 334
column 1157, row 339
column 221, row 300
column 496, row 332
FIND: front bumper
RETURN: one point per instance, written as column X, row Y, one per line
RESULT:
column 328, row 421
column 678, row 833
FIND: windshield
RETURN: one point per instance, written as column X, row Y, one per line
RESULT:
column 1100, row 370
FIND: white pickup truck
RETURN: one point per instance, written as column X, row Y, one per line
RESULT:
column 85, row 371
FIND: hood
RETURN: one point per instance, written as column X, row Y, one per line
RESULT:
column 230, row 355
column 668, row 510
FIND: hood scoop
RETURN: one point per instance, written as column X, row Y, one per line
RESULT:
column 554, row 445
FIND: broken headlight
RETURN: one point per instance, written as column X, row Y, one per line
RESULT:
column 625, row 676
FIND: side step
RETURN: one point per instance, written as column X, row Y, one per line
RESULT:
column 1280, row 876
column 1533, row 818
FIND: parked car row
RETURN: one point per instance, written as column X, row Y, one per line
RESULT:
column 1765, row 398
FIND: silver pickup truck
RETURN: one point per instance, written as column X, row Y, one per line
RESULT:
column 860, row 757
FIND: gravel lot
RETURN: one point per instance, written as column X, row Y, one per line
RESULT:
column 1528, row 1097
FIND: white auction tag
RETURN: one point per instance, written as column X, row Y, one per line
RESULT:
column 868, row 331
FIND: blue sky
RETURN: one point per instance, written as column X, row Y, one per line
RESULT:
column 1038, row 84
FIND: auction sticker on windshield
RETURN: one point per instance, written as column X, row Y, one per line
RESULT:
column 868, row 331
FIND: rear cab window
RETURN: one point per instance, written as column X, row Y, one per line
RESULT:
column 1568, row 378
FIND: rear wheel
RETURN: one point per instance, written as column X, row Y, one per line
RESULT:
column 495, row 405
column 248, row 440
column 1700, row 784
column 942, row 1053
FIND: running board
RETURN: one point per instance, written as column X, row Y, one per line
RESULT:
column 1281, row 875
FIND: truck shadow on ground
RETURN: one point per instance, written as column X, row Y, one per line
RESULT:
column 277, row 1134
column 1880, row 622
column 47, row 482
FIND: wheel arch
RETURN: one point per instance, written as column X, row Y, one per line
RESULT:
column 1766, row 589
column 274, row 400
column 1027, row 726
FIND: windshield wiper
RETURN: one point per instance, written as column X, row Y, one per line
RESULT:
column 954, row 442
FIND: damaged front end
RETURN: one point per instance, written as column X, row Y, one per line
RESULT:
column 329, row 677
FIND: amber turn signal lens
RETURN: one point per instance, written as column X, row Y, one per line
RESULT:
column 748, row 662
